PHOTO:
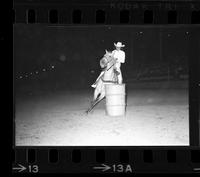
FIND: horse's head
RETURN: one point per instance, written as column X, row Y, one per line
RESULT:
column 108, row 55
column 106, row 59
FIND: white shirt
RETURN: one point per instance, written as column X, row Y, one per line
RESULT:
column 120, row 55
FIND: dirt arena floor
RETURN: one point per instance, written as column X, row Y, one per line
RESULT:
column 154, row 117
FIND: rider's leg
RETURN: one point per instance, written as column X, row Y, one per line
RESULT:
column 119, row 76
column 120, row 79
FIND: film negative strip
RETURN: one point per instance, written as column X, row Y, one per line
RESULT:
column 106, row 160
column 106, row 87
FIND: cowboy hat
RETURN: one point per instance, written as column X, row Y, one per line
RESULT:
column 119, row 44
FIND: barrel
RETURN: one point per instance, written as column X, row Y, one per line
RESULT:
column 115, row 99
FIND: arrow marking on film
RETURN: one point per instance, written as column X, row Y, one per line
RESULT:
column 20, row 168
column 103, row 167
column 196, row 169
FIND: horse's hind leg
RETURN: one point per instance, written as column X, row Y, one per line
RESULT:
column 94, row 103
column 96, row 94
column 101, row 96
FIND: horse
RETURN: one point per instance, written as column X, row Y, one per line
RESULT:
column 107, row 76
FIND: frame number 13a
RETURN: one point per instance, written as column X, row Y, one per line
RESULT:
column 122, row 168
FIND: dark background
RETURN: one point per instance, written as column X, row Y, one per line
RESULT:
column 151, row 53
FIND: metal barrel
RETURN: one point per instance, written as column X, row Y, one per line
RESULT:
column 115, row 99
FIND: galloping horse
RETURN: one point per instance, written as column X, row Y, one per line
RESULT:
column 107, row 76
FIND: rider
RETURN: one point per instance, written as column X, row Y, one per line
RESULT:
column 120, row 56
